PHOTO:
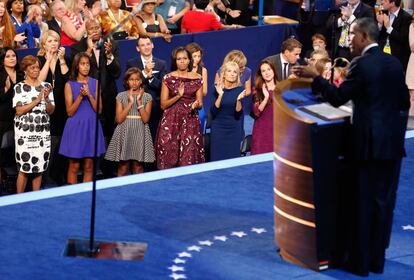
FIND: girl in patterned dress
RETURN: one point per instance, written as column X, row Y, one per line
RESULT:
column 179, row 139
column 33, row 100
column 131, row 145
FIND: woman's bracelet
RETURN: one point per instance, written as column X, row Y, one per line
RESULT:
column 140, row 107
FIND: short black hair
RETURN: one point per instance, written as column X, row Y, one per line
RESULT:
column 129, row 73
column 368, row 26
column 397, row 2
column 141, row 37
column 201, row 4
column 174, row 58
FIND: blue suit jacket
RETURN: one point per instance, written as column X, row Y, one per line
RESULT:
column 376, row 85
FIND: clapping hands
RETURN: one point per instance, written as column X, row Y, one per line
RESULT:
column 219, row 88
column 195, row 105
column 265, row 91
column 181, row 89
column 84, row 91
column 241, row 95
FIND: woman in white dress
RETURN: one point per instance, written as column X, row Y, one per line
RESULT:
column 33, row 101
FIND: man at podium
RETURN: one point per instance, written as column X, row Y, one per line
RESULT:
column 375, row 83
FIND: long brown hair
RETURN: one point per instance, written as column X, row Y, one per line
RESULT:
column 9, row 31
column 259, row 81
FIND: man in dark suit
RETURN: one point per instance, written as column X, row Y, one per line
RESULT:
column 339, row 25
column 58, row 10
column 376, row 85
column 153, row 69
column 395, row 25
column 286, row 59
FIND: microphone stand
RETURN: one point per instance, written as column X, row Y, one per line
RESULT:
column 89, row 248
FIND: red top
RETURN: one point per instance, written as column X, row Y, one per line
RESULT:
column 195, row 21
column 65, row 40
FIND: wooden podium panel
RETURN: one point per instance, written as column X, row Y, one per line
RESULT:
column 306, row 155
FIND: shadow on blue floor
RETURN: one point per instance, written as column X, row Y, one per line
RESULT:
column 210, row 225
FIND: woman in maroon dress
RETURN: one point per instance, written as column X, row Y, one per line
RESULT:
column 179, row 140
column 264, row 83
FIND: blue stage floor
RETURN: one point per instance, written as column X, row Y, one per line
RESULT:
column 210, row 221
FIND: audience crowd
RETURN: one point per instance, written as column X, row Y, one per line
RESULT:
column 158, row 122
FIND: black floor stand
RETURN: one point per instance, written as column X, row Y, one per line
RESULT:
column 101, row 249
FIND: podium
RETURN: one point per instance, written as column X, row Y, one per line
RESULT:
column 309, row 164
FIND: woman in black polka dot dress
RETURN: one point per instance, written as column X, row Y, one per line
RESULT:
column 33, row 100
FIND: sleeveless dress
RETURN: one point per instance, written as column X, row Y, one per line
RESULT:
column 153, row 28
column 262, row 135
column 78, row 139
column 179, row 139
column 32, row 130
column 132, row 138
column 202, row 113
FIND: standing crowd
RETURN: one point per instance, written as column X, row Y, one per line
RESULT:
column 49, row 102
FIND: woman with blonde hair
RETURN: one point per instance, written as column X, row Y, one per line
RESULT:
column 227, row 111
column 323, row 66
column 73, row 24
column 55, row 71
column 238, row 57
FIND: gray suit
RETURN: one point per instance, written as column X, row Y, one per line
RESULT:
column 277, row 63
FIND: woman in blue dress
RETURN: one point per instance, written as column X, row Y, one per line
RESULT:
column 227, row 111
column 79, row 134
column 240, row 59
column 26, row 25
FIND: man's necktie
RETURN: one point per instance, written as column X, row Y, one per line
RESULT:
column 285, row 68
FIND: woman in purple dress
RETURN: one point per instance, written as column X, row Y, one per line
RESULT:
column 264, row 83
column 79, row 134
column 179, row 140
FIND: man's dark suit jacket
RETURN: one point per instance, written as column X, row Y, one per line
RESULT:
column 361, row 11
column 107, row 77
column 277, row 63
column 53, row 25
column 398, row 38
column 376, row 85
column 152, row 87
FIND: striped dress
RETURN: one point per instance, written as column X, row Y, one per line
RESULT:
column 132, row 138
